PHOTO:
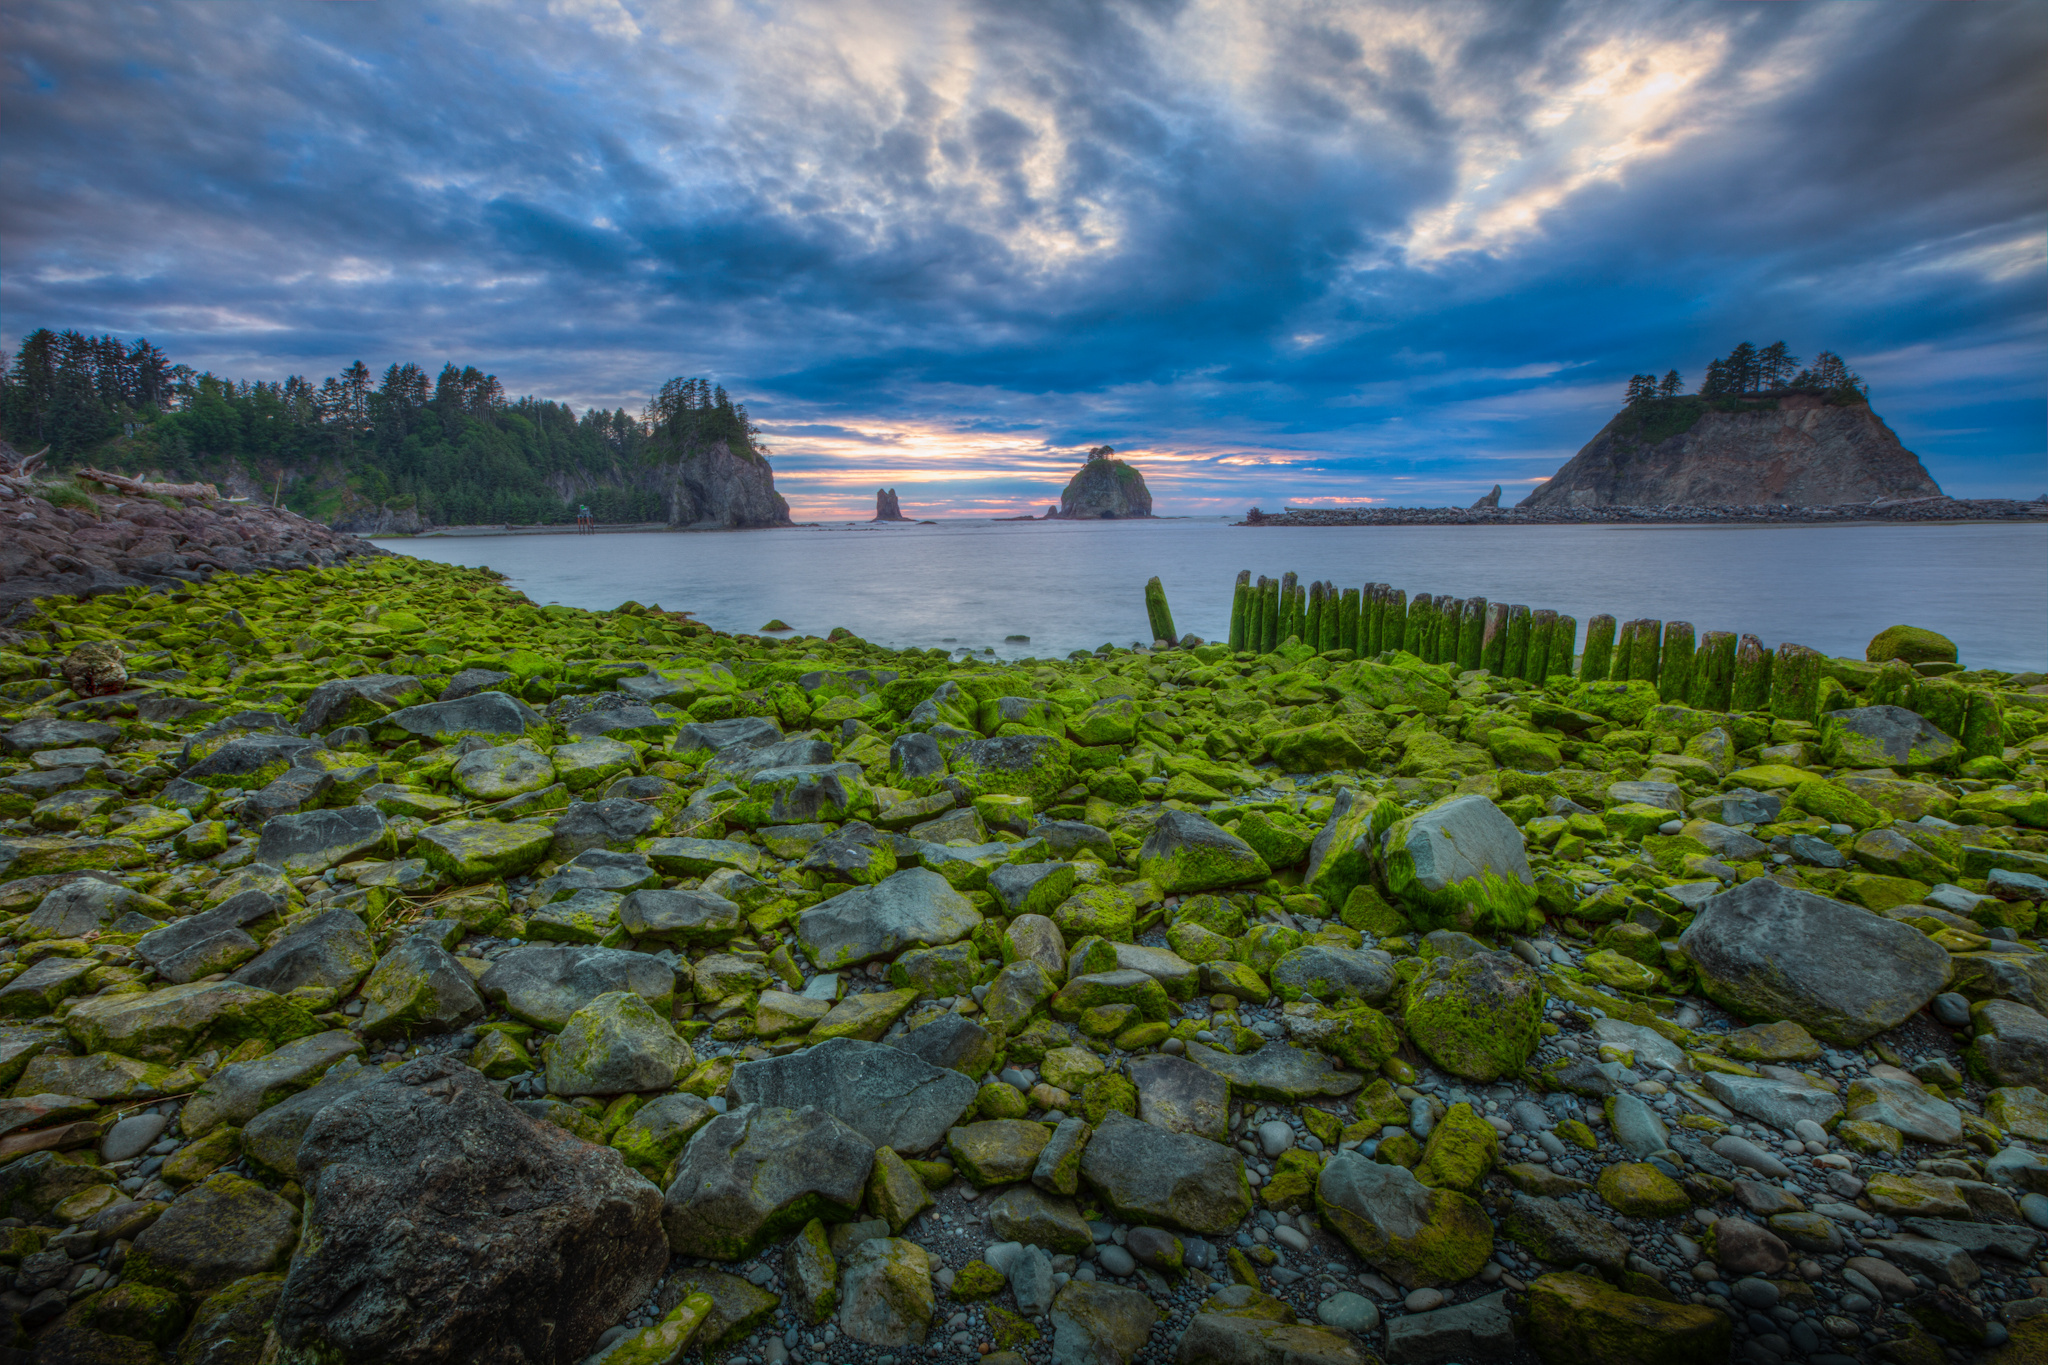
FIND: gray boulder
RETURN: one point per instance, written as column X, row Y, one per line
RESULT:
column 544, row 983
column 491, row 715
column 88, row 905
column 752, row 1174
column 885, row 1296
column 952, row 1041
column 248, row 760
column 271, row 1139
column 444, row 1224
column 616, row 1044
column 1099, row 1324
column 1439, row 855
column 1277, row 1071
column 689, row 918
column 1886, row 737
column 329, row 954
column 471, row 681
column 226, row 1229
column 753, row 732
column 1330, row 974
column 208, row 942
column 235, row 1094
column 418, row 987
column 1181, row 1097
column 890, row 1096
column 743, row 760
column 315, row 840
column 613, row 823
column 1782, row 1104
column 915, row 908
column 1415, row 1235
column 1766, row 951
column 52, row 732
column 1146, row 1174
column 2011, row 1043
column 355, row 701
column 1231, row 1339
column 1482, row 1329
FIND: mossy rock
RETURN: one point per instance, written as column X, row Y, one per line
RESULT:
column 1461, row 1150
column 1914, row 644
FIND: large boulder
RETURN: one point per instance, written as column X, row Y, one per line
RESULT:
column 1887, row 737
column 418, row 987
column 1251, row 1339
column 2011, row 1044
column 1767, row 951
column 1034, row 766
column 1277, row 1071
column 1461, row 861
column 1479, row 1017
column 1330, row 974
column 613, row 823
column 544, row 983
column 1147, row 1174
column 752, row 1174
column 915, row 908
column 1914, row 644
column 1189, row 852
column 442, row 1223
column 1180, row 1096
column 239, row 1092
column 1414, row 1235
column 889, row 1096
column 357, row 701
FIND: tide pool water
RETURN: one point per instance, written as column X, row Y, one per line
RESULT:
column 1076, row 585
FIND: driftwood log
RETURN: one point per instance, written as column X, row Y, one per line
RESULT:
column 151, row 490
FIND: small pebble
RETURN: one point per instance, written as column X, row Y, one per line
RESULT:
column 1115, row 1259
column 1423, row 1300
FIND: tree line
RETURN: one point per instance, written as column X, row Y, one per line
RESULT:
column 451, row 446
column 1747, row 371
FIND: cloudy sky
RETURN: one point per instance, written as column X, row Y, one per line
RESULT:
column 1274, row 250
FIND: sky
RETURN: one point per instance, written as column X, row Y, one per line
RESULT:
column 1273, row 251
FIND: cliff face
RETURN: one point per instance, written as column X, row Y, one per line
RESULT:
column 1785, row 448
column 1105, row 490
column 709, row 488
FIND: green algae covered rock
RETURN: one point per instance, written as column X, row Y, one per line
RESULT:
column 1478, row 1017
column 664, row 1342
column 223, row 1231
column 467, row 851
column 1188, row 852
column 616, row 1044
column 170, row 1023
column 1416, row 1236
column 757, row 1172
column 1461, row 1150
column 1575, row 1319
column 1913, row 644
column 1342, row 856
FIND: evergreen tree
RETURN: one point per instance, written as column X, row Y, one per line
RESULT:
column 1775, row 366
column 1671, row 385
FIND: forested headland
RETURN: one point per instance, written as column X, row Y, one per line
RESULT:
column 358, row 448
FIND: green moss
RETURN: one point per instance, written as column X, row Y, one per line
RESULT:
column 977, row 1280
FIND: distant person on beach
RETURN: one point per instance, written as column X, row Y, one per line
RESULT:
column 585, row 523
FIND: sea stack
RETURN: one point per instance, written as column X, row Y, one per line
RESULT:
column 1794, row 446
column 1105, row 489
column 886, row 506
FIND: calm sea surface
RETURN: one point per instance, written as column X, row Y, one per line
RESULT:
column 1075, row 585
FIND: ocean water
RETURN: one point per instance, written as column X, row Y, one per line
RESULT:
column 970, row 585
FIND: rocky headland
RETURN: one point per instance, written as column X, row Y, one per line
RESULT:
column 1790, row 447
column 1732, row 514
column 395, row 970
column 1103, row 489
column 102, row 537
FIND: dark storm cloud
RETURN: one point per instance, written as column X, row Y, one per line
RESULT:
column 1281, row 249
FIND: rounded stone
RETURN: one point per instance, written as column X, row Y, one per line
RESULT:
column 1423, row 1300
column 1275, row 1137
column 1115, row 1259
column 1349, row 1312
column 2034, row 1208
column 1951, row 1010
column 1755, row 1293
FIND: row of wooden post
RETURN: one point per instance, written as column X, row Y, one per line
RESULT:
column 1718, row 671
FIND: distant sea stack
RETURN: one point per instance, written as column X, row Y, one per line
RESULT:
column 1105, row 489
column 1791, row 446
column 886, row 506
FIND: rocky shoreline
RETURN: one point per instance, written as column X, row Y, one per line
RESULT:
column 395, row 970
column 1732, row 514
column 97, row 543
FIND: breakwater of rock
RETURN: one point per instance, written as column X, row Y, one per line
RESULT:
column 1731, row 514
column 393, row 969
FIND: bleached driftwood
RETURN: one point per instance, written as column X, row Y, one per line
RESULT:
column 151, row 490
